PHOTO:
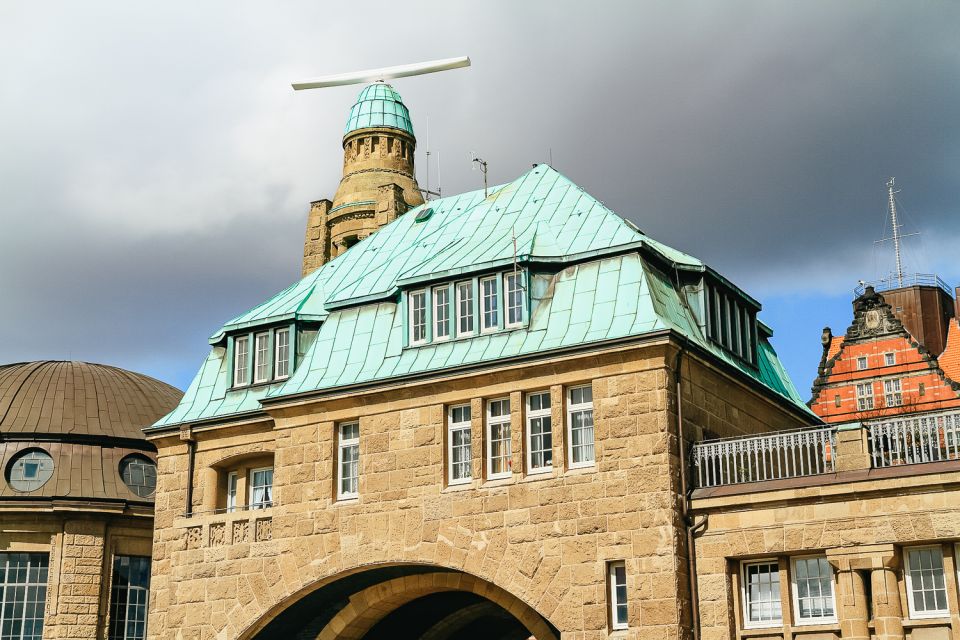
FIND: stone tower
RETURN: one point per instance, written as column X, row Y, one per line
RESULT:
column 378, row 182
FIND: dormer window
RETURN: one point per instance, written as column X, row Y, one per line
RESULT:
column 441, row 313
column 263, row 357
column 418, row 317
column 452, row 310
column 731, row 323
column 261, row 366
column 490, row 299
column 282, row 356
column 514, row 299
column 464, row 309
column 241, row 348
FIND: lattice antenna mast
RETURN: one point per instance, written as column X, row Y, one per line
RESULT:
column 896, row 230
column 897, row 237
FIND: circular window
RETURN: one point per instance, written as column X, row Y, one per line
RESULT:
column 139, row 473
column 29, row 470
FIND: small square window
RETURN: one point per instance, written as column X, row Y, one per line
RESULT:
column 861, row 363
column 889, row 359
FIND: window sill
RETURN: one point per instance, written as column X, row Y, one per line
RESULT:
column 933, row 621
column 533, row 476
column 749, row 632
column 581, row 469
column 460, row 486
column 498, row 481
column 346, row 500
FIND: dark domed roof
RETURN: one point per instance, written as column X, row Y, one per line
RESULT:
column 78, row 398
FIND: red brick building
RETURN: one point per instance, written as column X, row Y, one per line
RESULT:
column 880, row 368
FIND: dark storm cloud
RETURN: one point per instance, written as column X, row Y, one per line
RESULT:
column 155, row 167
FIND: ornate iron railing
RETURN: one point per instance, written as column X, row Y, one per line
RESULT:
column 915, row 439
column 775, row 456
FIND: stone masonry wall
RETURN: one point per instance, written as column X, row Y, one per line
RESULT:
column 544, row 538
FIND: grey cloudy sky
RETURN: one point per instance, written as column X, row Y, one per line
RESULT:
column 156, row 167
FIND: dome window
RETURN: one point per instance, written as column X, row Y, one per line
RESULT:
column 139, row 473
column 30, row 470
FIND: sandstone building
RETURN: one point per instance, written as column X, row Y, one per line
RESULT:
column 76, row 499
column 466, row 425
column 515, row 414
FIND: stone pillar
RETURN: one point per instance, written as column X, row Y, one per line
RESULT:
column 315, row 249
column 852, row 609
column 887, row 612
column 852, row 452
column 852, row 563
column 81, row 580
column 209, row 480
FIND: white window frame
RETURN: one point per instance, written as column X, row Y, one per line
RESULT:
column 484, row 328
column 264, row 504
column 508, row 293
column 614, row 602
column 502, row 420
column 343, row 444
column 890, row 358
column 572, row 409
column 411, row 316
column 745, row 602
column 800, row 619
column 261, row 357
column 890, row 392
column 459, row 301
column 862, row 398
column 240, row 364
column 441, row 321
column 531, row 415
column 285, row 331
column 452, row 427
column 862, row 360
column 233, row 480
column 908, row 577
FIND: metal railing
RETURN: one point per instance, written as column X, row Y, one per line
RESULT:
column 908, row 280
column 775, row 456
column 915, row 439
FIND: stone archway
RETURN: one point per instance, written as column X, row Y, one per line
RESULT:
column 408, row 602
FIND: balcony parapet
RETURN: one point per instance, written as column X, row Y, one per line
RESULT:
column 891, row 442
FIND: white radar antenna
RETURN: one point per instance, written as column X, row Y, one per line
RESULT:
column 384, row 74
column 389, row 73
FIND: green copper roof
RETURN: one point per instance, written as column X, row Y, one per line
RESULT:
column 609, row 282
column 378, row 105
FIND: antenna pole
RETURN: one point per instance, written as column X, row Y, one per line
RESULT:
column 896, row 230
column 427, row 196
column 483, row 169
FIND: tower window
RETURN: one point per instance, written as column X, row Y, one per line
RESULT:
column 836, row 400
